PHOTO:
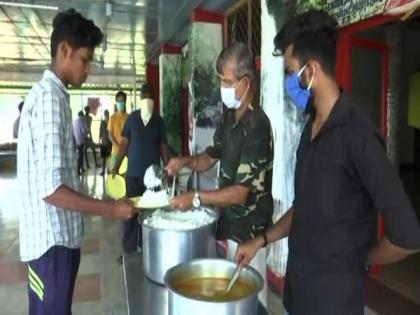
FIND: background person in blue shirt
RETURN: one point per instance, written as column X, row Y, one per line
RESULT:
column 144, row 143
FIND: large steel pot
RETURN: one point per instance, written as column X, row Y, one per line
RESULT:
column 180, row 304
column 163, row 249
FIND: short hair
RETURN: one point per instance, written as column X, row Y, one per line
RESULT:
column 80, row 113
column 106, row 112
column 20, row 106
column 121, row 94
column 78, row 31
column 313, row 35
column 243, row 58
column 146, row 89
column 87, row 109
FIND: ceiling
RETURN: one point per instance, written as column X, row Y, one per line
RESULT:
column 134, row 33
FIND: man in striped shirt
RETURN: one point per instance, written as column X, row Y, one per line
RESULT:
column 51, row 225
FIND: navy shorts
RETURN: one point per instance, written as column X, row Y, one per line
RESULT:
column 51, row 281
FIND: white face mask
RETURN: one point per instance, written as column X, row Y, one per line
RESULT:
column 146, row 109
column 229, row 98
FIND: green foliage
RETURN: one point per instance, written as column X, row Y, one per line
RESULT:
column 305, row 5
column 172, row 107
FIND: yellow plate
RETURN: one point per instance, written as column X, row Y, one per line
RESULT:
column 123, row 166
column 115, row 187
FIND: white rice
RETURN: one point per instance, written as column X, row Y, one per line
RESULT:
column 150, row 180
column 179, row 220
column 156, row 199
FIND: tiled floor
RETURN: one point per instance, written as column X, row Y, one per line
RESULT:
column 100, row 287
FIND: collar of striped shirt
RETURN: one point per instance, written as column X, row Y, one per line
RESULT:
column 48, row 74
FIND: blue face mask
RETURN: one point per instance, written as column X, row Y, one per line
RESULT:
column 298, row 95
column 120, row 106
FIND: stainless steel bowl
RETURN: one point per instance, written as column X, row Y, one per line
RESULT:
column 180, row 304
column 163, row 249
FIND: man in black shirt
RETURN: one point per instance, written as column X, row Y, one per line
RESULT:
column 343, row 178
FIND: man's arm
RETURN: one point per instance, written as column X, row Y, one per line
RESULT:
column 200, row 163
column 381, row 181
column 246, row 251
column 112, row 139
column 385, row 253
column 122, row 152
column 224, row 197
column 111, row 132
column 68, row 198
column 164, row 151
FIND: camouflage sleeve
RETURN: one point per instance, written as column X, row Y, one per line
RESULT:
column 215, row 150
column 256, row 159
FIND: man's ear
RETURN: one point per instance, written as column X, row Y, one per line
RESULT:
column 64, row 49
column 312, row 69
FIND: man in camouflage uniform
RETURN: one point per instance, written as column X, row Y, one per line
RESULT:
column 243, row 145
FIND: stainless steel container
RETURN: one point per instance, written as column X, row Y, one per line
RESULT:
column 211, row 268
column 163, row 249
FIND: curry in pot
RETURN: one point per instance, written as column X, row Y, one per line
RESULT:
column 213, row 289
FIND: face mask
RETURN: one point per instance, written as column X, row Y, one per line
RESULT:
column 298, row 95
column 120, row 106
column 146, row 109
column 229, row 98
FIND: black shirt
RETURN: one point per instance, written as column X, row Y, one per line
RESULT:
column 144, row 142
column 245, row 150
column 343, row 177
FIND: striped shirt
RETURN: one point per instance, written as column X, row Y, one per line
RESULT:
column 46, row 159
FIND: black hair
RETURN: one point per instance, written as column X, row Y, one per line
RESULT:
column 78, row 31
column 87, row 109
column 146, row 89
column 80, row 113
column 121, row 94
column 313, row 35
column 20, row 106
column 242, row 56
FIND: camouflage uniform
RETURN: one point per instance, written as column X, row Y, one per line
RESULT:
column 245, row 151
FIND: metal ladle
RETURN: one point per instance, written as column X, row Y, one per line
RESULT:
column 234, row 278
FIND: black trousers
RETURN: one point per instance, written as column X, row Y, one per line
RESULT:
column 131, row 228
column 80, row 150
column 91, row 145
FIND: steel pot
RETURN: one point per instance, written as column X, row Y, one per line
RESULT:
column 180, row 304
column 163, row 249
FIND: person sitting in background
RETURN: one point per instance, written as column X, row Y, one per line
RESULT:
column 89, row 141
column 104, row 141
column 116, row 125
column 80, row 132
column 16, row 123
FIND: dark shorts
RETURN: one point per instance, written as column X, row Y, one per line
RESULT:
column 51, row 281
column 105, row 151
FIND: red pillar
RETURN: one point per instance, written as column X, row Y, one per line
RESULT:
column 152, row 77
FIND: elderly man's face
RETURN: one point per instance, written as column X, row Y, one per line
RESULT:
column 227, row 79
